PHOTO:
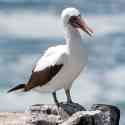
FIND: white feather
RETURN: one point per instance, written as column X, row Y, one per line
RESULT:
column 72, row 55
column 54, row 55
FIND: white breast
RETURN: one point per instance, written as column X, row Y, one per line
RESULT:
column 68, row 73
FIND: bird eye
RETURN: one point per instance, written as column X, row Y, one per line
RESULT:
column 73, row 18
column 74, row 21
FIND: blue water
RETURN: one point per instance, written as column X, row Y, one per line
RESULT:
column 88, row 6
column 27, row 29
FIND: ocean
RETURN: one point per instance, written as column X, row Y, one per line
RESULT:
column 28, row 28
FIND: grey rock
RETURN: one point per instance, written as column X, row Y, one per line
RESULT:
column 110, row 115
column 74, row 114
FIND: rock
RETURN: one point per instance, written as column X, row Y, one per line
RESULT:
column 82, row 118
column 51, row 114
column 74, row 114
column 65, row 114
column 110, row 115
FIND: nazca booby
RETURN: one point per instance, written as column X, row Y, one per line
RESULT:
column 60, row 65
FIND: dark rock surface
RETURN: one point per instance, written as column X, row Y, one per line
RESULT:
column 110, row 115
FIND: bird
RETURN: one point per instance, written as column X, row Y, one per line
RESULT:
column 60, row 65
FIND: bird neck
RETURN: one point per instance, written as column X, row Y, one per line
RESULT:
column 73, row 38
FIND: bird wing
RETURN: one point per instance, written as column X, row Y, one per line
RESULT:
column 47, row 67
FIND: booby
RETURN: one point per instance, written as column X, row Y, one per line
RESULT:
column 60, row 65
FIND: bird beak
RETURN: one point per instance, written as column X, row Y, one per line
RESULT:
column 85, row 27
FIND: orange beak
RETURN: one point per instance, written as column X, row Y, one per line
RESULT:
column 82, row 25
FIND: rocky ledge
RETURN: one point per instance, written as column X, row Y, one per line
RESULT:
column 65, row 114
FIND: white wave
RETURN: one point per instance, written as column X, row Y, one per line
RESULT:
column 28, row 24
column 111, row 85
column 103, row 25
column 21, row 101
column 19, row 70
column 85, row 89
column 116, row 76
column 39, row 25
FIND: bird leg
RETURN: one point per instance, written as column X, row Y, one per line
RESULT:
column 55, row 98
column 69, row 100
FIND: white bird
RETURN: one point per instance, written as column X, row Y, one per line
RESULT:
column 61, row 65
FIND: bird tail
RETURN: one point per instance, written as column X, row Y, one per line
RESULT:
column 18, row 87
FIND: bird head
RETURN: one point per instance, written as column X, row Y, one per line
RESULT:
column 72, row 17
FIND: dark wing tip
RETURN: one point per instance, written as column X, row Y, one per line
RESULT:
column 21, row 86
